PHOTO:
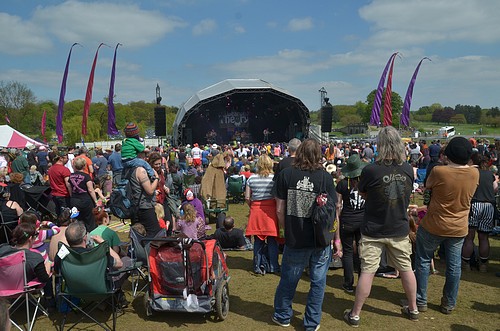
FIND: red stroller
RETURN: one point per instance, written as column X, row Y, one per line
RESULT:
column 187, row 275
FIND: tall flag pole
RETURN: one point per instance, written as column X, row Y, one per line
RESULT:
column 388, row 97
column 377, row 103
column 44, row 125
column 405, row 114
column 88, row 95
column 112, row 130
column 60, row 108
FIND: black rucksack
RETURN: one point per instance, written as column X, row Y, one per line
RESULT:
column 121, row 201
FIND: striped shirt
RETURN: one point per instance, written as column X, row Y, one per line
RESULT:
column 260, row 187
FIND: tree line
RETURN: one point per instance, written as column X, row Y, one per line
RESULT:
column 20, row 107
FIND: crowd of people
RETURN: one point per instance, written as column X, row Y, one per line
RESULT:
column 370, row 184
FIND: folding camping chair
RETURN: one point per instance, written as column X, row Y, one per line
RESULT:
column 38, row 199
column 14, row 285
column 139, row 255
column 6, row 228
column 235, row 189
column 86, row 276
column 213, row 207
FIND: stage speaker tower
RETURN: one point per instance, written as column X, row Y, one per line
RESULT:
column 326, row 118
column 160, row 121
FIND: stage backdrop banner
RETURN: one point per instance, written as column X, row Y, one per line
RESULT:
column 233, row 120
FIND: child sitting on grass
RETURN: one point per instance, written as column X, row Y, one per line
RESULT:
column 131, row 146
column 189, row 224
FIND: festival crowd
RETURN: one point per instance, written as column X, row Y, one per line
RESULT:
column 377, row 230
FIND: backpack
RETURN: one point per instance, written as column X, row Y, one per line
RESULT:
column 323, row 217
column 121, row 201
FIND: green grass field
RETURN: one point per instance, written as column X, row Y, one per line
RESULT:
column 251, row 301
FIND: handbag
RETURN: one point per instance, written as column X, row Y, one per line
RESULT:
column 323, row 217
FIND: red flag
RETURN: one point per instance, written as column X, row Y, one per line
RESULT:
column 44, row 122
column 88, row 95
column 388, row 96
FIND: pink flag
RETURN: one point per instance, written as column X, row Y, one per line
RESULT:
column 88, row 95
column 388, row 97
column 7, row 119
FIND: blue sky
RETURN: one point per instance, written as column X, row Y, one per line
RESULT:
column 300, row 46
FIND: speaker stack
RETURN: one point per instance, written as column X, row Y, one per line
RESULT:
column 326, row 118
column 160, row 122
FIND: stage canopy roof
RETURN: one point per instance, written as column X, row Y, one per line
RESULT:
column 263, row 104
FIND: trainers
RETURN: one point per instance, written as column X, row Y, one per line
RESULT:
column 483, row 267
column 312, row 328
column 421, row 308
column 348, row 288
column 351, row 320
column 412, row 315
column 445, row 308
column 283, row 324
column 466, row 265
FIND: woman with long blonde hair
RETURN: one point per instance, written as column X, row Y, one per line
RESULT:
column 262, row 221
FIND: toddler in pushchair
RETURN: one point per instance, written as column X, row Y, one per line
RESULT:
column 187, row 275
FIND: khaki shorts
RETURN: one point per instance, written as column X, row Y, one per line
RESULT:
column 398, row 252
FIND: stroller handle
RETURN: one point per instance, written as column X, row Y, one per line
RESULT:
column 182, row 241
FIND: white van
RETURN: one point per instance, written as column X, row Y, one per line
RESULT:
column 446, row 131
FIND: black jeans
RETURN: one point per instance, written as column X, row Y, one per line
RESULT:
column 60, row 202
column 147, row 217
column 349, row 236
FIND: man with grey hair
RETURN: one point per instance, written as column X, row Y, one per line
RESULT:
column 78, row 239
column 386, row 186
column 293, row 145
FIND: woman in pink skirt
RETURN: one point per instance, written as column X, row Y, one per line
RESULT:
column 262, row 222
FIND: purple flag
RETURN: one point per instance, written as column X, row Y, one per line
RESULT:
column 377, row 103
column 88, row 95
column 388, row 97
column 111, row 106
column 60, row 108
column 405, row 114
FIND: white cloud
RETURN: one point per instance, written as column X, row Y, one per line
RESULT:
column 204, row 27
column 21, row 37
column 239, row 29
column 400, row 23
column 74, row 21
column 300, row 24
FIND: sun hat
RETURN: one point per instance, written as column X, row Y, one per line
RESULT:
column 214, row 146
column 131, row 130
column 458, row 150
column 353, row 166
column 331, row 168
column 188, row 194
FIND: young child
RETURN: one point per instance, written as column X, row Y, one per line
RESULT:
column 189, row 224
column 45, row 229
column 160, row 214
column 131, row 146
column 415, row 215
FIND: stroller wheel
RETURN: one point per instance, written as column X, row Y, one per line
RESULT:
column 147, row 306
column 222, row 300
